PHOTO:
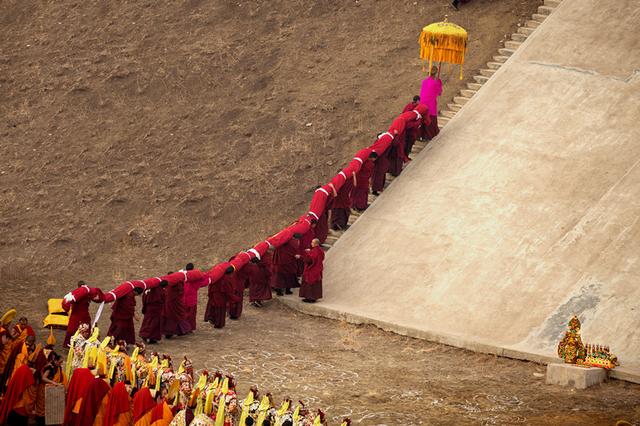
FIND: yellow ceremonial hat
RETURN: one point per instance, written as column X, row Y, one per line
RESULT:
column 8, row 316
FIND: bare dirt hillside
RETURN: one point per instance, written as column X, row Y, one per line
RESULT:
column 138, row 135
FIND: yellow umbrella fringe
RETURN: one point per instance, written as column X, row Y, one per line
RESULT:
column 220, row 412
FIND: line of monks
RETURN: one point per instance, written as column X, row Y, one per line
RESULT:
column 288, row 261
column 108, row 386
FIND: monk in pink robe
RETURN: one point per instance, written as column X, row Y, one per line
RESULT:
column 123, row 312
column 152, row 308
column 285, row 266
column 311, row 289
column 431, row 89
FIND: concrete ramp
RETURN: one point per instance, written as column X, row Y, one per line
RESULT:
column 524, row 211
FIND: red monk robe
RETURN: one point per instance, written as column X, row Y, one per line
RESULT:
column 238, row 282
column 78, row 389
column 285, row 267
column 191, row 287
column 16, row 405
column 119, row 411
column 152, row 308
column 397, row 156
column 341, row 208
column 311, row 289
column 259, row 278
column 220, row 293
column 143, row 404
column 360, row 192
column 123, row 311
column 94, row 398
column 174, row 313
column 79, row 314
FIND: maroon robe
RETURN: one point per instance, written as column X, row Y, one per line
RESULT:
column 431, row 130
column 259, row 277
column 380, row 169
column 322, row 227
column 152, row 308
column 122, row 327
column 79, row 315
column 360, row 193
column 174, row 313
column 341, row 208
column 285, row 266
column 312, row 276
column 220, row 293
column 238, row 282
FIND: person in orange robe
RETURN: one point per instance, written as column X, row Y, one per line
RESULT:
column 119, row 411
column 6, row 345
column 17, row 403
column 143, row 405
column 78, row 388
column 161, row 414
column 51, row 375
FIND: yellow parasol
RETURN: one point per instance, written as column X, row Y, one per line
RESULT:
column 8, row 317
column 443, row 42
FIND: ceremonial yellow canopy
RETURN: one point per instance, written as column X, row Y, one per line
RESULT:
column 443, row 42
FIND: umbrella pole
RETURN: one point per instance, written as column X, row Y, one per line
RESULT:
column 439, row 69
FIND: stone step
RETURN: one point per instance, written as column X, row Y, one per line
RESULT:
column 506, row 51
column 532, row 24
column 440, row 126
column 545, row 10
column 487, row 73
column 493, row 65
column 481, row 79
column 552, row 3
column 500, row 58
column 454, row 107
column 447, row 113
column 526, row 31
column 474, row 86
column 538, row 17
column 460, row 100
column 518, row 37
column 512, row 44
column 467, row 93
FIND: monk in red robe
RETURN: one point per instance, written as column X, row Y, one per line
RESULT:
column 17, row 404
column 119, row 412
column 414, row 128
column 123, row 312
column 259, row 278
column 380, row 169
column 220, row 293
column 311, row 289
column 143, row 404
column 78, row 389
column 285, row 266
column 341, row 208
column 79, row 312
column 174, row 313
column 152, row 308
column 191, row 287
column 94, row 398
column 360, row 191
column 238, row 282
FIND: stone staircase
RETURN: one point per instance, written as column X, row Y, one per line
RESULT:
column 504, row 53
column 466, row 94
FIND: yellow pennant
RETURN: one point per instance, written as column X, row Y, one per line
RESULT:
column 220, row 412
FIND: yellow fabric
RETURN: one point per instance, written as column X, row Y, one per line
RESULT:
column 316, row 421
column 208, row 406
column 56, row 320
column 220, row 412
column 8, row 316
column 443, row 42
column 54, row 306
column 245, row 407
column 51, row 340
column 145, row 420
column 225, row 386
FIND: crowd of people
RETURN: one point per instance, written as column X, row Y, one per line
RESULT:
column 112, row 383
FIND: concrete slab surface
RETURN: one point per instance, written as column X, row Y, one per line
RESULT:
column 574, row 376
column 524, row 211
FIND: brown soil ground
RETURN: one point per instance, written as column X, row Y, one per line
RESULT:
column 137, row 136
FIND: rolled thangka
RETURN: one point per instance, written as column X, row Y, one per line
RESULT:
column 382, row 143
column 81, row 293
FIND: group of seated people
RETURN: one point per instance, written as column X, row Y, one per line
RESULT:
column 112, row 383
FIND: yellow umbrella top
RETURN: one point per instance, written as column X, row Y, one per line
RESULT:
column 443, row 42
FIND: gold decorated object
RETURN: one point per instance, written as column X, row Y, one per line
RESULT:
column 443, row 42
column 570, row 348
